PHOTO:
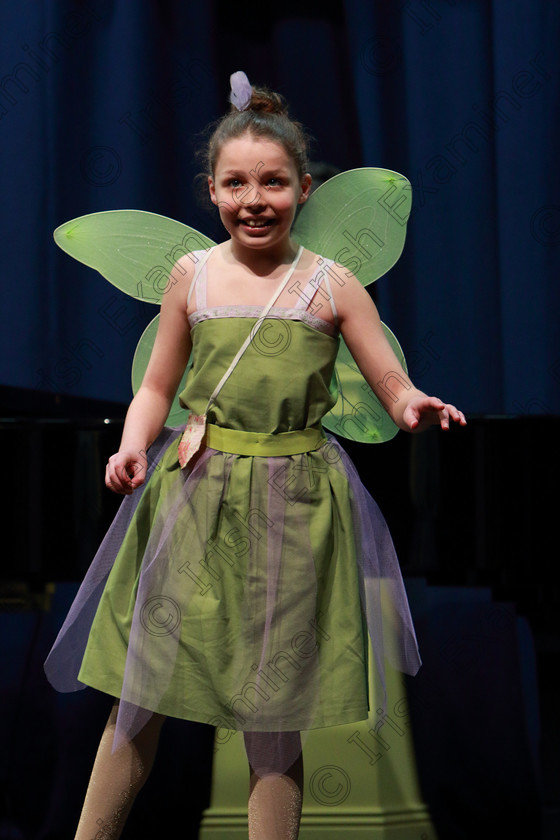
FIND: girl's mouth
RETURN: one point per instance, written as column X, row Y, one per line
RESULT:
column 256, row 224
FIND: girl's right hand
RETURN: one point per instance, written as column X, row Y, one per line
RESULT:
column 126, row 471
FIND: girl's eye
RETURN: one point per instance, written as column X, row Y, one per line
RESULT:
column 234, row 183
column 273, row 182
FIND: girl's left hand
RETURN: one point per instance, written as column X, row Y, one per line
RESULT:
column 422, row 412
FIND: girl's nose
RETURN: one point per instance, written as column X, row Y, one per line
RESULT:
column 250, row 196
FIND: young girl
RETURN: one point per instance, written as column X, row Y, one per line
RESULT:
column 235, row 596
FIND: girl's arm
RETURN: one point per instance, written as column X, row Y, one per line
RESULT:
column 410, row 408
column 148, row 411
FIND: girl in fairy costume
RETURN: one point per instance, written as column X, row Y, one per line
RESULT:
column 236, row 583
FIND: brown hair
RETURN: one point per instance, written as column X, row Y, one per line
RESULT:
column 265, row 116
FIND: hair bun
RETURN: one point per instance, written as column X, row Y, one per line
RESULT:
column 268, row 102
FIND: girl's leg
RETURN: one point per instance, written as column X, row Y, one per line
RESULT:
column 116, row 778
column 275, row 792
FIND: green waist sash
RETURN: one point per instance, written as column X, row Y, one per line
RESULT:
column 255, row 443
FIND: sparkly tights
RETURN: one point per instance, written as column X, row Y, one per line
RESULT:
column 116, row 778
column 275, row 804
column 274, row 799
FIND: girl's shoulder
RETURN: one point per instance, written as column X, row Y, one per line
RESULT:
column 189, row 265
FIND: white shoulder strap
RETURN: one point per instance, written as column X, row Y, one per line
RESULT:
column 200, row 263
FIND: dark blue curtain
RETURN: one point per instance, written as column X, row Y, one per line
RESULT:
column 462, row 97
column 101, row 107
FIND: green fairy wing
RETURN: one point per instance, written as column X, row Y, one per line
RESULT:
column 358, row 219
column 358, row 414
column 135, row 251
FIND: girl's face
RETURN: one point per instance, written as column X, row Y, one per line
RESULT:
column 256, row 188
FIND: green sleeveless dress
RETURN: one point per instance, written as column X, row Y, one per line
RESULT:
column 235, row 591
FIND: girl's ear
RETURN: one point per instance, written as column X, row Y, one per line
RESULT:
column 212, row 190
column 305, row 188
